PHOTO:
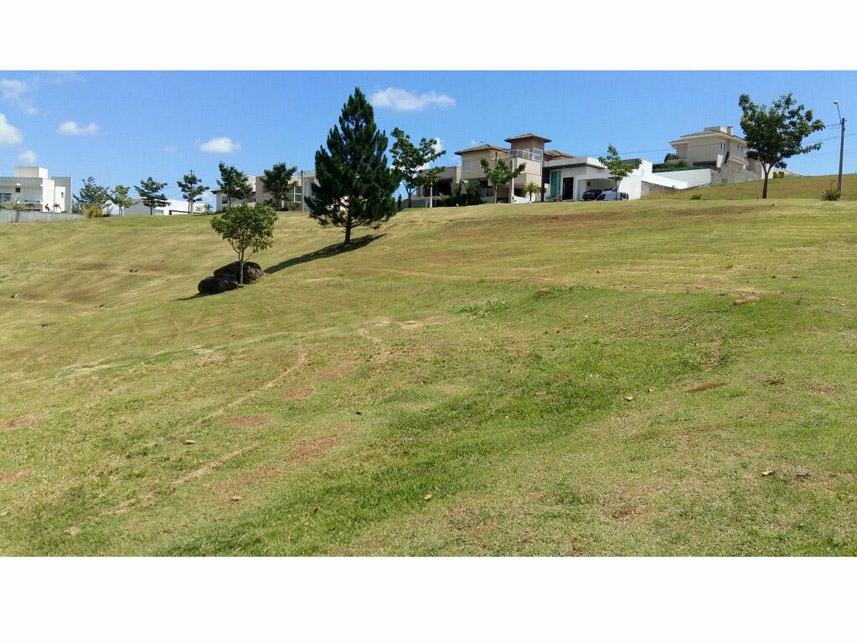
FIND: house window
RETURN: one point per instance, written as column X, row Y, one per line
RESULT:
column 555, row 183
column 17, row 190
column 467, row 164
column 537, row 156
column 5, row 196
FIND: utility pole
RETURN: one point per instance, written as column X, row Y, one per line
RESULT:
column 841, row 146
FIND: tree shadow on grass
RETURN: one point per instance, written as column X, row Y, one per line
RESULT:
column 324, row 253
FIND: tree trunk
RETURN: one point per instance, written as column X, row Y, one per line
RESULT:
column 765, row 184
column 348, row 229
column 241, row 267
column 409, row 200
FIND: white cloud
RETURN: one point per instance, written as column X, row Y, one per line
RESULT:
column 15, row 92
column 27, row 157
column 221, row 145
column 170, row 149
column 70, row 128
column 61, row 77
column 9, row 135
column 402, row 100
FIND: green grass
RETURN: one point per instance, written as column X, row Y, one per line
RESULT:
column 793, row 187
column 328, row 400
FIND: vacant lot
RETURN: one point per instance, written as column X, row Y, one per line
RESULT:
column 554, row 379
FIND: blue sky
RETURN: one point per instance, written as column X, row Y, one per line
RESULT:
column 121, row 127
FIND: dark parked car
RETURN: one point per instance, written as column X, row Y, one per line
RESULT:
column 591, row 195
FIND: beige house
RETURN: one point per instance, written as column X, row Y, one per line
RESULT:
column 525, row 149
column 719, row 148
column 302, row 186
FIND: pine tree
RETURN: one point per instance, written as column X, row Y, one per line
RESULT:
column 93, row 194
column 192, row 189
column 355, row 185
column 119, row 197
column 279, row 183
column 234, row 183
column 151, row 195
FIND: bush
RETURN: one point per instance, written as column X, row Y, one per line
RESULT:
column 830, row 194
column 696, row 197
column 668, row 167
column 93, row 210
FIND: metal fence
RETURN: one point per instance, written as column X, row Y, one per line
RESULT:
column 26, row 216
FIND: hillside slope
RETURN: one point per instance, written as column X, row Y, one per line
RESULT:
column 419, row 394
column 793, row 187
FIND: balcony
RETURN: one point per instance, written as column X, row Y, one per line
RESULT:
column 533, row 155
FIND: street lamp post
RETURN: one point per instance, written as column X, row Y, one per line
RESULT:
column 841, row 146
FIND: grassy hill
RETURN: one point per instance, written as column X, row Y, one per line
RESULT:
column 534, row 379
column 793, row 187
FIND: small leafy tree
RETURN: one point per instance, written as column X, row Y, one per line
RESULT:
column 234, row 184
column 616, row 167
column 247, row 229
column 192, row 189
column 776, row 133
column 354, row 185
column 501, row 174
column 120, row 198
column 279, row 183
column 151, row 194
column 531, row 189
column 472, row 192
column 410, row 159
column 427, row 179
column 93, row 194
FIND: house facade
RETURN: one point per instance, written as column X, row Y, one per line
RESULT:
column 527, row 150
column 560, row 176
column 302, row 186
column 568, row 177
column 173, row 207
column 34, row 189
column 719, row 149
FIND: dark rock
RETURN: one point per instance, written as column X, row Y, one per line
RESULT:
column 252, row 271
column 217, row 284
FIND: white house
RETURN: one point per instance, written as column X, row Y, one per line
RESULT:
column 174, row 206
column 568, row 177
column 33, row 188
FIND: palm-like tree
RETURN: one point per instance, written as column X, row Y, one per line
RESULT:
column 530, row 189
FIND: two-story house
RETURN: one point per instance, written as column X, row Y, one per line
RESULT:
column 718, row 148
column 525, row 149
column 32, row 188
column 303, row 182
